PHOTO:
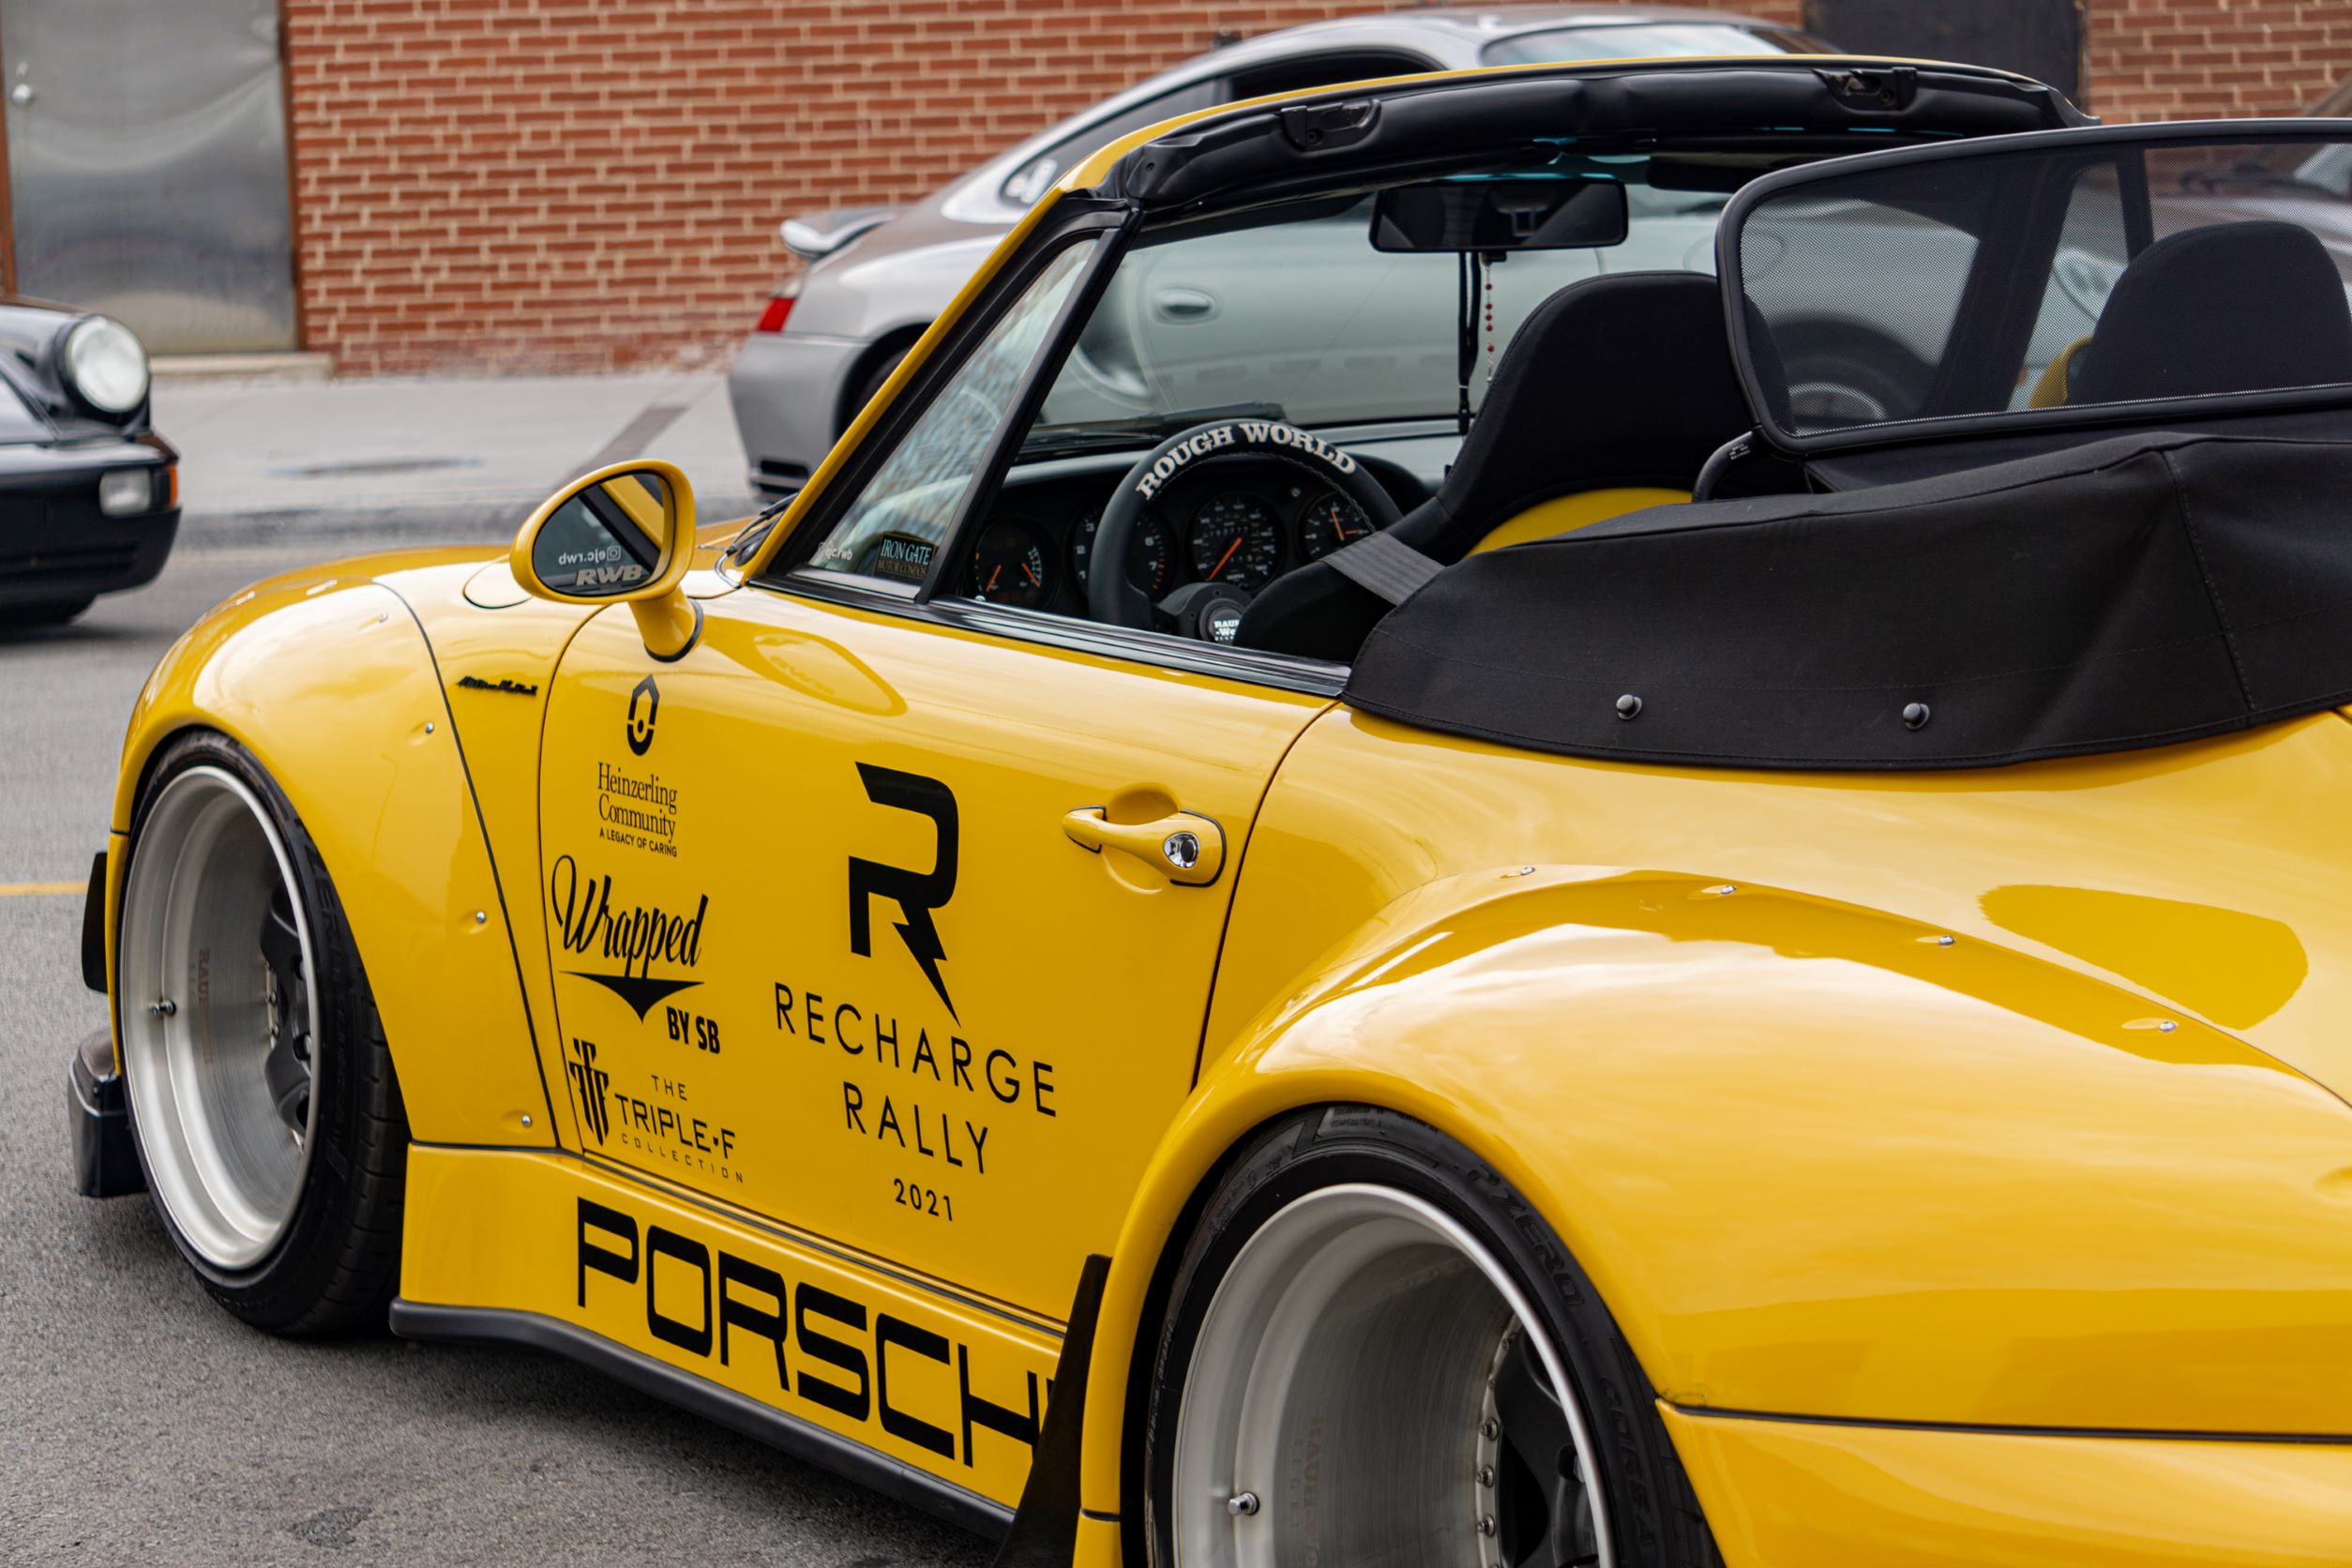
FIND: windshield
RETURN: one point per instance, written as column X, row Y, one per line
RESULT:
column 1646, row 41
column 2100, row 270
column 1292, row 311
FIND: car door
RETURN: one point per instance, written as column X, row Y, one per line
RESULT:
column 885, row 927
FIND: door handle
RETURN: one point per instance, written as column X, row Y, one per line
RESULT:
column 1185, row 847
column 1184, row 305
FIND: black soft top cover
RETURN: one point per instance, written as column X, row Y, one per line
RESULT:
column 2151, row 588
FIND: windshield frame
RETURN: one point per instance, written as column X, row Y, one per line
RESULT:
column 1896, row 432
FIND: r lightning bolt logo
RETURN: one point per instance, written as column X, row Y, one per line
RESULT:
column 915, row 893
column 637, row 935
column 588, row 1086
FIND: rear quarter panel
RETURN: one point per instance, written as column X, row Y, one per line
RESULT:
column 1818, row 1159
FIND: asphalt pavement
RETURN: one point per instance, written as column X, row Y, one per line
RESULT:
column 139, row 1423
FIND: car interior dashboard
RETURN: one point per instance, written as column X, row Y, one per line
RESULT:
column 1243, row 522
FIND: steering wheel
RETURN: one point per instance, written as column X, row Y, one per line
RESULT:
column 1111, row 598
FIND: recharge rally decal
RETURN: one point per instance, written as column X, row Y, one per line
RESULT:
column 826, row 1349
column 919, row 1086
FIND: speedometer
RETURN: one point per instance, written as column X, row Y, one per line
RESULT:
column 1329, row 523
column 1150, row 551
column 1235, row 541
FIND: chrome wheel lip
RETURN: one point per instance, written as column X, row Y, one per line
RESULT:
column 1214, row 1457
column 181, row 1074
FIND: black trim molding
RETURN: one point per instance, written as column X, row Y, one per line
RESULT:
column 2325, row 1439
column 738, row 1412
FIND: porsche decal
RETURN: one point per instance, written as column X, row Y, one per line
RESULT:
column 828, row 1350
column 915, row 893
column 636, row 936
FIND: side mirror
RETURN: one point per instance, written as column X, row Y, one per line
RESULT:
column 623, row 533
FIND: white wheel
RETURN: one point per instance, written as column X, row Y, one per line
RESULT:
column 218, row 1016
column 261, row 1090
column 1367, row 1390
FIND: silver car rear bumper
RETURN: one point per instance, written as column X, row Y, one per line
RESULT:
column 787, row 388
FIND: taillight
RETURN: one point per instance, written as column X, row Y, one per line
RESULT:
column 773, row 318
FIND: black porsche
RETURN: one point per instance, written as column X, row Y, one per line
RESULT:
column 89, row 493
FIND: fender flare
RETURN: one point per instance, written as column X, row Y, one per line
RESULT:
column 372, row 761
column 1801, row 1146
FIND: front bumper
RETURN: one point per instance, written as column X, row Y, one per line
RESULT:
column 105, row 1161
column 787, row 388
column 55, row 545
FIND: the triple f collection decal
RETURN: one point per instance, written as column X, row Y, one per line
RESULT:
column 917, row 894
column 631, row 939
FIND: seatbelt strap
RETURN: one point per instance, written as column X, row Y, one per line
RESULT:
column 1383, row 565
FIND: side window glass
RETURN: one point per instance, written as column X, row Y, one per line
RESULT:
column 896, row 522
column 2092, row 253
column 1035, row 177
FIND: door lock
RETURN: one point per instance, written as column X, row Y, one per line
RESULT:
column 1186, row 848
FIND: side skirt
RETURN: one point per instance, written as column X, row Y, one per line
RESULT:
column 738, row 1412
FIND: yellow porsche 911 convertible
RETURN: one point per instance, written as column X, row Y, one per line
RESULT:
column 1591, row 815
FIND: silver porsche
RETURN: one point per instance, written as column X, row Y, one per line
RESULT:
column 876, row 276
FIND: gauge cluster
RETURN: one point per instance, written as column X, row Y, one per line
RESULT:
column 1235, row 522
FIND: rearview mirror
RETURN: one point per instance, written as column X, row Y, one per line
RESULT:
column 623, row 533
column 1535, row 212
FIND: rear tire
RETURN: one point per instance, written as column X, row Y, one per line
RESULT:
column 1376, row 1352
column 261, row 1090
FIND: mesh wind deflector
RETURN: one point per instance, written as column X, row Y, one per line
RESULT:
column 2128, row 591
column 2043, row 280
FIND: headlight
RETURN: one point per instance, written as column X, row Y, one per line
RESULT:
column 105, row 365
column 126, row 490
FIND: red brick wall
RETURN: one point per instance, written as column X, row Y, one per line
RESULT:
column 2178, row 59
column 584, row 184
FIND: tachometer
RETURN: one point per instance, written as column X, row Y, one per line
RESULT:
column 1151, row 551
column 1009, row 564
column 1234, row 541
column 1329, row 523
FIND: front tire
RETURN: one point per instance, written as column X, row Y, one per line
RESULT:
column 1375, row 1352
column 261, row 1091
column 48, row 613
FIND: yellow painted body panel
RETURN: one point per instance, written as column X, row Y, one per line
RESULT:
column 497, row 729
column 1844, row 1496
column 1816, row 1160
column 985, row 1120
column 1568, row 513
column 326, row 677
column 829, row 1342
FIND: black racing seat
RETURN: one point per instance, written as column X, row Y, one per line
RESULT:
column 1619, row 382
column 2226, row 308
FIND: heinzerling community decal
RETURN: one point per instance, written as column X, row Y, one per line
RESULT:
column 635, row 808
